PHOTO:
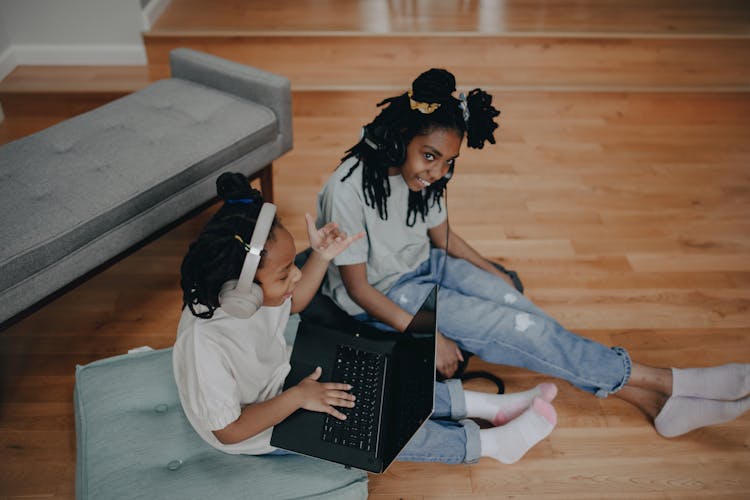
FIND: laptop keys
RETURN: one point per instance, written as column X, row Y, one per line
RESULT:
column 365, row 372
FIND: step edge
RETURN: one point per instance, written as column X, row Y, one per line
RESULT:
column 18, row 91
column 219, row 33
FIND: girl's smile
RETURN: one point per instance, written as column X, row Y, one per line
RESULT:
column 428, row 158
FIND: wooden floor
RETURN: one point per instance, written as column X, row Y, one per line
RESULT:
column 626, row 213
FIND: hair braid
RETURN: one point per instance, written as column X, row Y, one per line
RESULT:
column 216, row 256
column 481, row 126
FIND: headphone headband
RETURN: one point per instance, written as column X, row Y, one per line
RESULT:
column 257, row 242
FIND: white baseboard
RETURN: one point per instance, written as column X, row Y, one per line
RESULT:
column 7, row 62
column 79, row 54
column 151, row 13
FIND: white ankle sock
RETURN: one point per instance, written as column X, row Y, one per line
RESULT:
column 682, row 414
column 725, row 382
column 502, row 408
column 510, row 442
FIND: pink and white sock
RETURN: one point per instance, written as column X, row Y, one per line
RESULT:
column 502, row 408
column 726, row 382
column 683, row 414
column 510, row 442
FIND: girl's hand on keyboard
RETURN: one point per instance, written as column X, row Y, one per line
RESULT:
column 324, row 396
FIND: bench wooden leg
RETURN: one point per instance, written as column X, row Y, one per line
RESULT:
column 266, row 181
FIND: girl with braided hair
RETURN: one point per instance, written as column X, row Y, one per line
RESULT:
column 390, row 185
column 230, row 363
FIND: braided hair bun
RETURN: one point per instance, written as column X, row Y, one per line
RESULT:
column 231, row 186
column 438, row 86
column 434, row 85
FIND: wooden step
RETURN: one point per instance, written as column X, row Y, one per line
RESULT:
column 514, row 44
column 654, row 17
column 550, row 62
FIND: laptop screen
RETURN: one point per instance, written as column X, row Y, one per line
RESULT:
column 415, row 371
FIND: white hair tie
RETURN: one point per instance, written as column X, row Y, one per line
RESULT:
column 464, row 105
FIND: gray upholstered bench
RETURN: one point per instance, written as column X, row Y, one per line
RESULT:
column 134, row 442
column 79, row 193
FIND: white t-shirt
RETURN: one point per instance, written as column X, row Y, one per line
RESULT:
column 222, row 364
column 390, row 249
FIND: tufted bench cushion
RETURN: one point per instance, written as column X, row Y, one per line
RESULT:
column 80, row 192
column 106, row 159
column 134, row 442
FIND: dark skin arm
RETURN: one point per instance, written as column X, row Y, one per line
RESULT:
column 326, row 242
column 386, row 311
column 308, row 394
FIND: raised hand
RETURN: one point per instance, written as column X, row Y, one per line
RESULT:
column 323, row 396
column 329, row 240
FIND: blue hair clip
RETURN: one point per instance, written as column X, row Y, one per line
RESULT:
column 240, row 200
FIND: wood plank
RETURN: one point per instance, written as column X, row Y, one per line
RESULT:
column 350, row 61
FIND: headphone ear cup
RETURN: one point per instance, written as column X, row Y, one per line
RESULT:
column 238, row 304
column 393, row 148
column 387, row 143
column 242, row 297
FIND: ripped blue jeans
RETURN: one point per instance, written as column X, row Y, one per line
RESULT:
column 486, row 316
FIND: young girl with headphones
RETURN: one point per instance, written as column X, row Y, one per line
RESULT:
column 391, row 185
column 230, row 358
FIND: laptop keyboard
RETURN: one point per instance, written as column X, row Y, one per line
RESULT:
column 365, row 372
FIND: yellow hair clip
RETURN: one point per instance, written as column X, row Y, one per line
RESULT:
column 424, row 107
column 239, row 238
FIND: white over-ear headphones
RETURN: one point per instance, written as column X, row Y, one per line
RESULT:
column 242, row 298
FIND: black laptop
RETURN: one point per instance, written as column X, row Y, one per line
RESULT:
column 393, row 378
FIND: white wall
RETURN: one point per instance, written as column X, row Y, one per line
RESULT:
column 7, row 61
column 73, row 31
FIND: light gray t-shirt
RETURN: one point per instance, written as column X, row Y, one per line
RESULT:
column 390, row 249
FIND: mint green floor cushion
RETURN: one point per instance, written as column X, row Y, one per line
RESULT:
column 134, row 442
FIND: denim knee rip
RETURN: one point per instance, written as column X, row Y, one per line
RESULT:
column 625, row 356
